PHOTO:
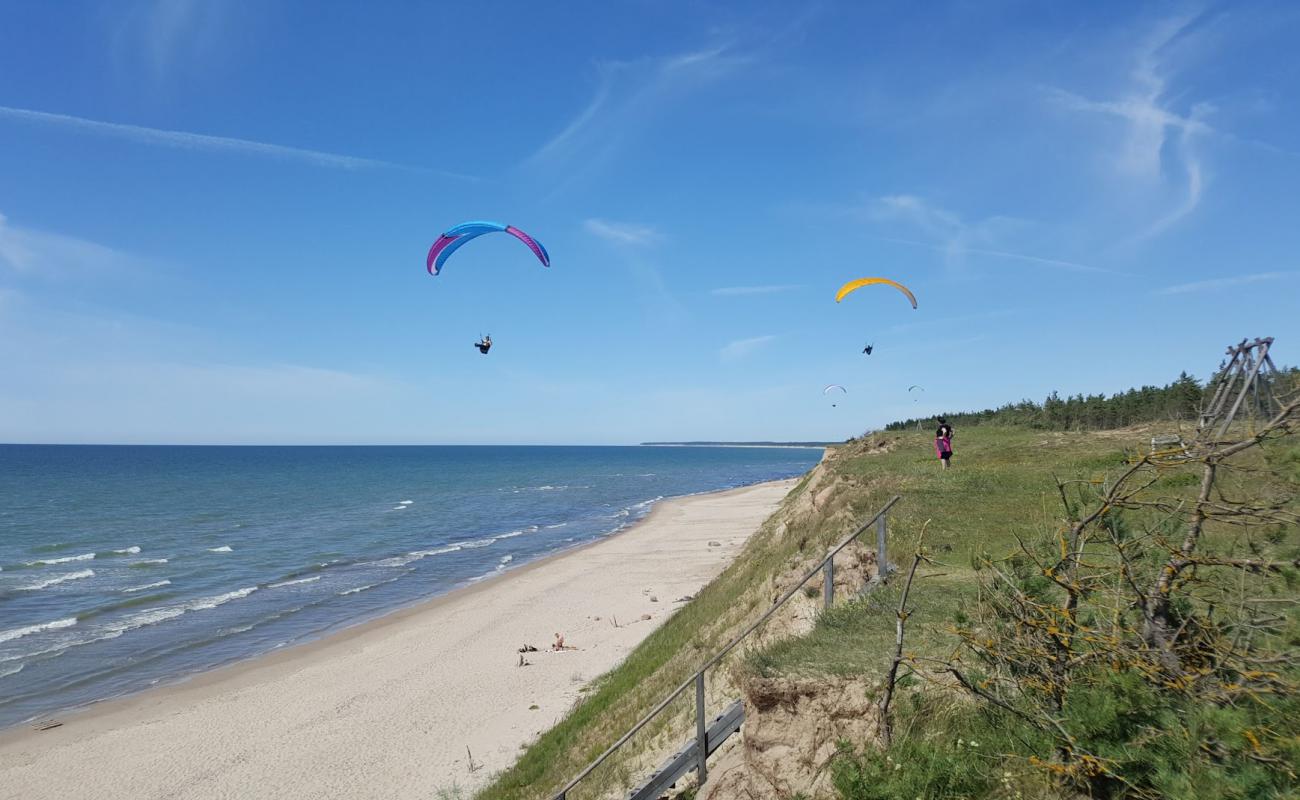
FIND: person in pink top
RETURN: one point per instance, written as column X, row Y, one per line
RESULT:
column 943, row 442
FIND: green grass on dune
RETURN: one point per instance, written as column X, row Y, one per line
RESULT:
column 1001, row 488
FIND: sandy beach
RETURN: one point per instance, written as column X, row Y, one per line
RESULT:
column 399, row 706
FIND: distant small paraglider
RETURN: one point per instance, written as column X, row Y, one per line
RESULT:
column 867, row 350
column 915, row 388
column 831, row 388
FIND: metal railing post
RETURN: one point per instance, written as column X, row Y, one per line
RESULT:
column 701, row 737
column 882, row 559
column 701, row 729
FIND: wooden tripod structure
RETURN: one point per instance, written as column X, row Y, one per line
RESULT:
column 1239, row 379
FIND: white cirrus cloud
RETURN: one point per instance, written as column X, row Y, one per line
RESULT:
column 26, row 252
column 623, row 233
column 202, row 142
column 629, row 96
column 744, row 347
column 1158, row 140
column 947, row 232
column 1224, row 283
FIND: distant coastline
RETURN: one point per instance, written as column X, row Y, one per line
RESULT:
column 800, row 445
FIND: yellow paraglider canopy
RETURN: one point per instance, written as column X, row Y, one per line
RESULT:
column 860, row 282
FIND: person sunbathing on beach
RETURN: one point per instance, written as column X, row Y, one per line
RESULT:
column 558, row 644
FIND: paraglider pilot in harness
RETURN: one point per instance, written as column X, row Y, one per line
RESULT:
column 484, row 344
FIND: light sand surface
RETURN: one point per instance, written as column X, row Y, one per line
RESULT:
column 389, row 708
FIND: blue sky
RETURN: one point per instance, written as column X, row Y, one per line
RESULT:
column 214, row 215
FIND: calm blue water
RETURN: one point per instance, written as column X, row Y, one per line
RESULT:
column 126, row 566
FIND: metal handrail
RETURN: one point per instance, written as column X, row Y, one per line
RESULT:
column 697, row 678
column 820, row 565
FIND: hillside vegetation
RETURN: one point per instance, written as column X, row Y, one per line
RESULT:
column 1037, row 668
column 998, row 515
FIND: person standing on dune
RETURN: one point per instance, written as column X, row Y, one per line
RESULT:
column 943, row 442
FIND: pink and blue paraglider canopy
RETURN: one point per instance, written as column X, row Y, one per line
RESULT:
column 450, row 241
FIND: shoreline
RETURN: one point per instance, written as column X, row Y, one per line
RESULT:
column 346, row 625
column 550, row 592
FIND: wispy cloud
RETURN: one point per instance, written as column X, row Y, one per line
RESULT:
column 950, row 234
column 628, row 95
column 200, row 142
column 744, row 347
column 1157, row 138
column 623, row 233
column 32, row 253
column 1224, row 283
column 741, row 291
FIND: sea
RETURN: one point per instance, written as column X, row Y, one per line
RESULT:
column 123, row 567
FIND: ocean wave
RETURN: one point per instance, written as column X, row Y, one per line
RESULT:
column 14, row 671
column 512, row 534
column 128, row 551
column 557, row 525
column 147, row 562
column 399, row 508
column 154, row 585
column 504, row 561
column 312, row 579
column 359, row 589
column 141, row 619
column 406, row 502
column 69, row 576
column 225, row 548
column 416, row 555
column 221, row 599
column 46, row 561
column 153, row 616
column 18, row 633
column 544, row 488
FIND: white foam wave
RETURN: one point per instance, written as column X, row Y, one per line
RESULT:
column 150, row 617
column 155, row 585
column 312, row 579
column 504, row 560
column 153, row 616
column 406, row 502
column 416, row 555
column 70, row 576
column 221, row 599
column 399, row 508
column 225, row 548
column 558, row 525
column 46, row 561
column 13, row 671
column 149, row 561
column 474, row 544
column 18, row 633
column 129, row 551
column 364, row 588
